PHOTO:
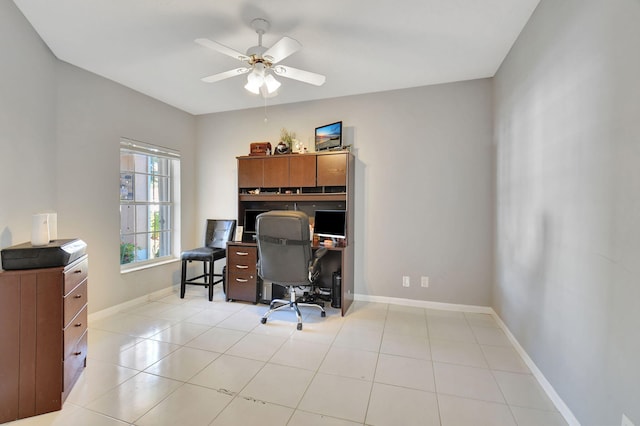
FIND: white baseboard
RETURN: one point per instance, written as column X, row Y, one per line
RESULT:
column 564, row 410
column 424, row 304
column 117, row 308
column 548, row 388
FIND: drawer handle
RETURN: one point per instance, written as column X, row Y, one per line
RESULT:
column 77, row 353
column 242, row 253
column 78, row 296
column 78, row 324
column 242, row 266
column 240, row 280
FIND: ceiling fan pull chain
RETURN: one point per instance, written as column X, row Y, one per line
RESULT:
column 265, row 110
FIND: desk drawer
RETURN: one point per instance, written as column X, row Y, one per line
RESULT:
column 74, row 301
column 245, row 277
column 240, row 255
column 75, row 274
column 247, row 290
column 244, row 270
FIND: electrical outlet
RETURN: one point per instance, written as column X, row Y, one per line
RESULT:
column 424, row 282
column 406, row 281
column 626, row 421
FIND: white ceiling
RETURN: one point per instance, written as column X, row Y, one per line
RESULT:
column 362, row 46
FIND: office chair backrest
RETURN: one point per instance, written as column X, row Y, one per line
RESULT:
column 219, row 232
column 284, row 247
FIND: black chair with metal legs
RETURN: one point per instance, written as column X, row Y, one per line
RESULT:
column 285, row 258
column 215, row 248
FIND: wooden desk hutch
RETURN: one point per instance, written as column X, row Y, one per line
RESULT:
column 306, row 182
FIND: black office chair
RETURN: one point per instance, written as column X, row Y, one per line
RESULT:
column 285, row 258
column 216, row 237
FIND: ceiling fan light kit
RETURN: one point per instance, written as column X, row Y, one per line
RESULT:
column 262, row 62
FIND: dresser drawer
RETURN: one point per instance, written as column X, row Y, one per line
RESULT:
column 74, row 274
column 74, row 363
column 74, row 331
column 74, row 301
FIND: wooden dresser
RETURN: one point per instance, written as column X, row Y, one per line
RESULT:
column 43, row 330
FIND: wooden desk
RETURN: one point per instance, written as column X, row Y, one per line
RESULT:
column 243, row 282
column 306, row 182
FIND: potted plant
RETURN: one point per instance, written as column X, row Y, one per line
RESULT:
column 127, row 253
column 287, row 140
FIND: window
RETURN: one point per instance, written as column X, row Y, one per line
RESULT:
column 149, row 182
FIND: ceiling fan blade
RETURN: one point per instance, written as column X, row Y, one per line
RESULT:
column 222, row 49
column 227, row 74
column 284, row 47
column 300, row 75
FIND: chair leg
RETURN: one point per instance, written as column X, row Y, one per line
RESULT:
column 282, row 304
column 295, row 307
column 183, row 281
column 292, row 304
column 211, row 280
column 208, row 277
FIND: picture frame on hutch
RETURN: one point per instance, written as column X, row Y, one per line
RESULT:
column 329, row 136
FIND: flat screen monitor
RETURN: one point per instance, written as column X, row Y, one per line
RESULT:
column 329, row 136
column 330, row 223
column 250, row 220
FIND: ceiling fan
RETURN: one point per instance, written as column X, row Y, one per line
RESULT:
column 262, row 62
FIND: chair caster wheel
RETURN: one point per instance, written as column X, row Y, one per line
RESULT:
column 299, row 326
column 263, row 320
column 323, row 314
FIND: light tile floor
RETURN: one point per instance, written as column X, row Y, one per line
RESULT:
column 189, row 361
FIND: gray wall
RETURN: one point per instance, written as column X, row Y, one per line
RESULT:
column 60, row 129
column 567, row 103
column 424, row 179
column 92, row 115
column 27, row 126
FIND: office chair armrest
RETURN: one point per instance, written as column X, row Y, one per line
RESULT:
column 320, row 252
column 316, row 258
column 314, row 267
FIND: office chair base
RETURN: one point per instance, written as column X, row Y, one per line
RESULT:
column 294, row 305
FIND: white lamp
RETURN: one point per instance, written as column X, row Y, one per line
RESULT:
column 254, row 82
column 271, row 83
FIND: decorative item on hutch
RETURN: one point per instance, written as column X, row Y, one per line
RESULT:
column 287, row 141
column 260, row 148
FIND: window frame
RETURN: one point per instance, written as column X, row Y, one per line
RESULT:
column 171, row 205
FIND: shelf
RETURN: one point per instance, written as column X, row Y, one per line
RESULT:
column 314, row 247
column 338, row 196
